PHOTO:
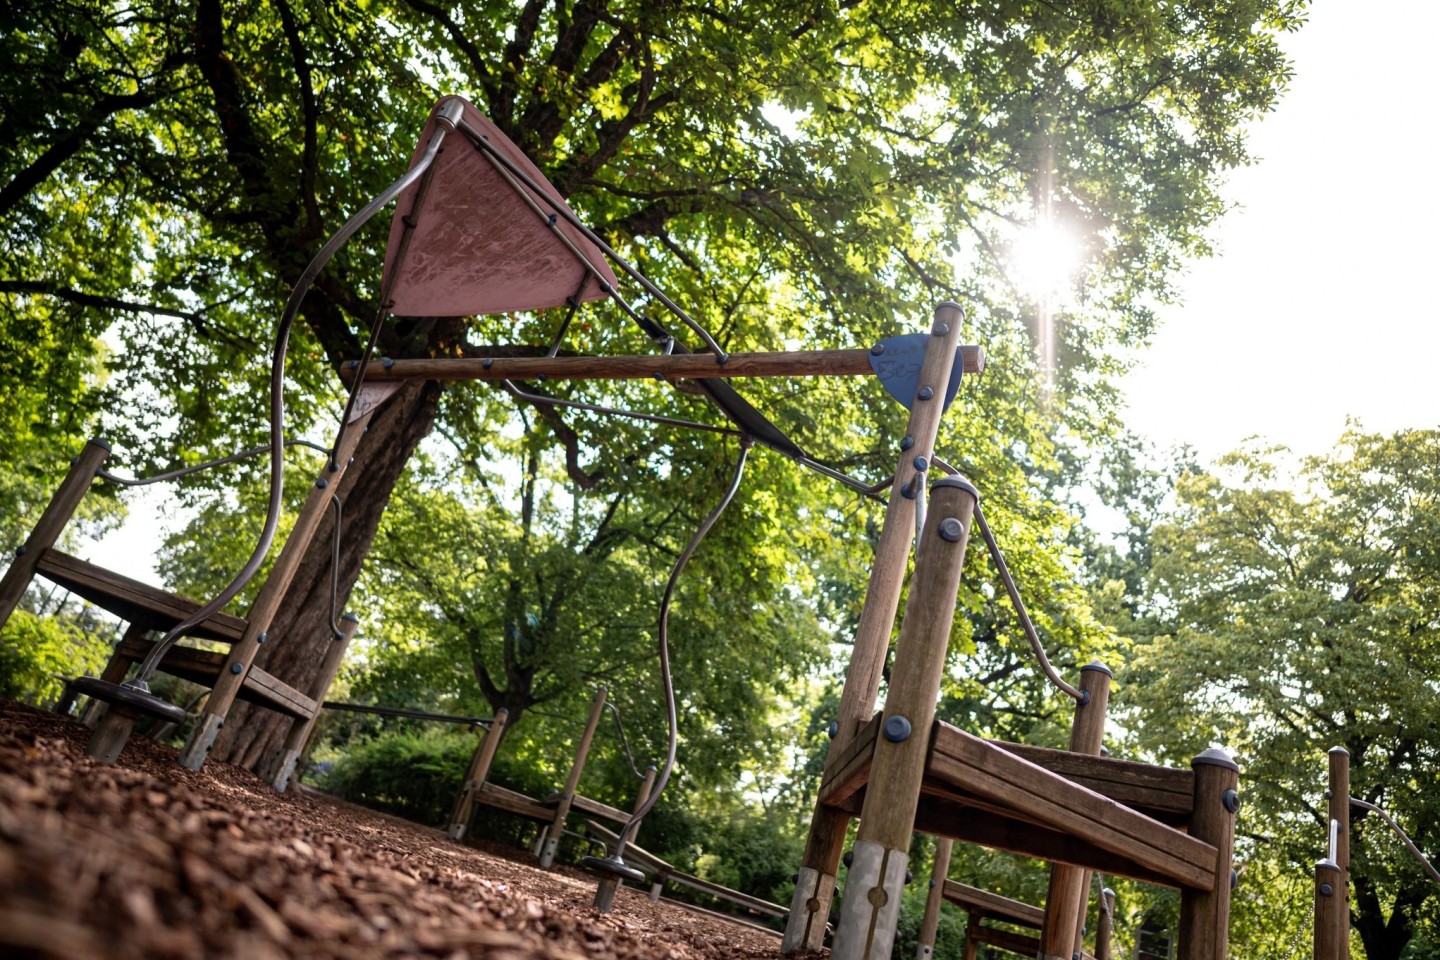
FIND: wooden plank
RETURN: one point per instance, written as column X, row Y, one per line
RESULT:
column 588, row 806
column 676, row 366
column 204, row 666
column 1161, row 793
column 1009, row 940
column 994, row 906
column 131, row 600
column 851, row 768
column 987, row 771
column 512, row 801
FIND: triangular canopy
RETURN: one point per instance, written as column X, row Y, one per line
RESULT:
column 478, row 246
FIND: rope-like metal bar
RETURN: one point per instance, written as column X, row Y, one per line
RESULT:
column 1404, row 838
column 627, row 834
column 335, row 630
column 408, row 714
column 515, row 391
column 1021, row 612
column 624, row 741
column 277, row 411
column 199, row 467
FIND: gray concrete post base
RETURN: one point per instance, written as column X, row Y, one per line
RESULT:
column 202, row 738
column 110, row 735
column 809, row 912
column 547, row 853
column 288, row 761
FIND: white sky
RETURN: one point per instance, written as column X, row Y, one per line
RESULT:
column 1320, row 302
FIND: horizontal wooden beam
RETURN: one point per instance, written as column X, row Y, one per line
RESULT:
column 1009, row 941
column 676, row 366
column 992, row 905
column 1161, row 793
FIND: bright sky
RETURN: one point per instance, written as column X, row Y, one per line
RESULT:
column 1320, row 304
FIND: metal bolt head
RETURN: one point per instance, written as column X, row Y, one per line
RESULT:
column 833, row 729
column 940, row 329
column 925, row 393
column 951, row 529
column 1326, row 890
column 897, row 729
column 878, row 349
column 322, row 483
column 922, row 464
column 1234, row 879
column 848, row 859
column 237, row 668
column 1231, row 800
column 907, row 443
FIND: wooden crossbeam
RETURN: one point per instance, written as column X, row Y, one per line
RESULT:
column 692, row 366
column 992, row 905
column 204, row 667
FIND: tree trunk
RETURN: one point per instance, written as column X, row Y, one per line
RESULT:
column 301, row 630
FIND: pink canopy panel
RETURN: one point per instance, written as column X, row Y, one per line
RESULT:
column 478, row 246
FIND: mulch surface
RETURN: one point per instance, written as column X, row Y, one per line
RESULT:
column 146, row 859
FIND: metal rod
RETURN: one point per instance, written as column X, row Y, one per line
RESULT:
column 1014, row 592
column 624, row 742
column 1409, row 844
column 197, row 468
column 1334, row 840
column 407, row 714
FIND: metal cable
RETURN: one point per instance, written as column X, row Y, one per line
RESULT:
column 209, row 464
column 627, row 834
column 1300, row 931
column 277, row 411
column 620, row 728
column 1014, row 592
column 1409, row 844
column 612, row 411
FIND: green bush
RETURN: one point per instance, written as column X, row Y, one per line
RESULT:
column 415, row 775
column 34, row 650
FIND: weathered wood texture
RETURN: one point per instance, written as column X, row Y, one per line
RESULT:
column 1205, row 913
column 693, row 366
column 476, row 775
column 1339, row 807
column 51, row 524
column 992, row 906
column 1065, row 901
column 205, row 667
column 572, row 782
column 930, row 922
column 805, row 929
column 1330, row 944
column 1105, row 925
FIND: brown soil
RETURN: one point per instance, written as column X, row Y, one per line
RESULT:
column 148, row 860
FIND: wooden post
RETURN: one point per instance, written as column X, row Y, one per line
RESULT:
column 567, row 796
column 609, row 886
column 111, row 733
column 267, row 603
column 1338, row 796
column 51, row 524
column 1330, row 917
column 115, row 669
column 476, row 775
column 931, row 921
column 815, row 883
column 871, row 907
column 300, row 730
column 1065, row 903
column 1105, row 924
column 1205, row 914
column 972, row 945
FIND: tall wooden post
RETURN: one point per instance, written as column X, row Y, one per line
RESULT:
column 300, row 730
column 931, row 921
column 871, row 907
column 1330, row 912
column 972, row 945
column 51, row 524
column 815, row 882
column 609, row 886
column 479, row 770
column 567, row 796
column 1338, row 796
column 1205, row 914
column 267, row 602
column 1065, row 903
column 1105, row 924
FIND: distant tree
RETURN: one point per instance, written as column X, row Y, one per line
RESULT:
column 1292, row 610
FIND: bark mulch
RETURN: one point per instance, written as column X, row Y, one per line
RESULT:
column 146, row 859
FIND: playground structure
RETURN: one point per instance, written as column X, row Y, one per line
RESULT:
column 899, row 771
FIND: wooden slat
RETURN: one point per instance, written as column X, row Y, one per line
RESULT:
column 204, row 666
column 852, row 767
column 952, row 815
column 977, row 767
column 1017, row 943
column 1161, row 793
column 994, row 906
column 588, row 806
column 799, row 363
column 512, row 801
column 132, row 600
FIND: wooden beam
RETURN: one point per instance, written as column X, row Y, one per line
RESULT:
column 1161, row 793
column 676, row 366
column 1017, row 943
column 986, row 904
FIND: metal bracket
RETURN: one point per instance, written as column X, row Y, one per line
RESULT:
column 897, row 364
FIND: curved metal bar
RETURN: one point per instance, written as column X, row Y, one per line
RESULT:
column 277, row 409
column 595, row 408
column 1014, row 592
column 339, row 506
column 628, row 833
column 1409, row 844
column 209, row 464
column 620, row 728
